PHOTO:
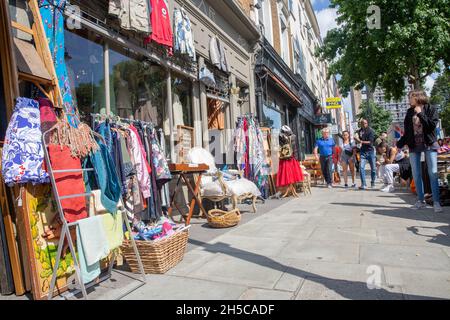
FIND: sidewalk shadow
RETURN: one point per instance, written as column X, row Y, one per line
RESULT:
column 352, row 290
column 442, row 239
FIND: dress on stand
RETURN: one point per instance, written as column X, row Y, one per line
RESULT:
column 289, row 170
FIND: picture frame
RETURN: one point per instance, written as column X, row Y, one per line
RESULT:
column 185, row 142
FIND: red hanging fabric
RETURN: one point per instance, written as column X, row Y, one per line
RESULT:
column 68, row 183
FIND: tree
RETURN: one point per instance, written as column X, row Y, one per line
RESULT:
column 379, row 119
column 440, row 97
column 413, row 42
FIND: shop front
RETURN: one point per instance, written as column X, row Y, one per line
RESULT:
column 100, row 94
column 284, row 99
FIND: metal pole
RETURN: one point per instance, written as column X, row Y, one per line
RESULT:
column 170, row 113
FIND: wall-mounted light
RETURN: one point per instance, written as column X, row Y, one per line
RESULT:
column 257, row 6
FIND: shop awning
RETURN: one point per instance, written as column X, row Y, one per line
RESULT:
column 284, row 87
column 29, row 63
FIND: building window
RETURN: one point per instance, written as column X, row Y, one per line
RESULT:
column 137, row 87
column 85, row 68
column 264, row 16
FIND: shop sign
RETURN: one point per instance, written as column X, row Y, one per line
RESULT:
column 334, row 103
column 323, row 118
column 334, row 129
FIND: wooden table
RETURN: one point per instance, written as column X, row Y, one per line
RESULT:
column 183, row 170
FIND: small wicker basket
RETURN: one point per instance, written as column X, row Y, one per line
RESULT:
column 157, row 256
column 223, row 219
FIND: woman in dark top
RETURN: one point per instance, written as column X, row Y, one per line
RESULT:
column 420, row 137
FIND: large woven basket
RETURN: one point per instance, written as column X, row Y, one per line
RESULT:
column 223, row 219
column 157, row 256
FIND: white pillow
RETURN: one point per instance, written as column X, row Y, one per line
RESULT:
column 199, row 155
column 240, row 186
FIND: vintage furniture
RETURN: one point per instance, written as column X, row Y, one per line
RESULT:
column 313, row 168
column 183, row 171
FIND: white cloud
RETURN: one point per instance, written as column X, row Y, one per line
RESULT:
column 327, row 20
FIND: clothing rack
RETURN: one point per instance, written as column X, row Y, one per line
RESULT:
column 65, row 233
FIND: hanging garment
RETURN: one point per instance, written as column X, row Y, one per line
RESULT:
column 52, row 13
column 47, row 114
column 184, row 38
column 23, row 153
column 104, row 129
column 216, row 115
column 140, row 164
column 68, row 183
column 217, row 54
column 161, row 25
column 104, row 177
column 133, row 14
column 88, row 272
column 160, row 165
column 113, row 225
column 94, row 245
column 141, row 146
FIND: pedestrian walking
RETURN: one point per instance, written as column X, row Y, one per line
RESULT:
column 366, row 137
column 347, row 157
column 325, row 147
column 420, row 136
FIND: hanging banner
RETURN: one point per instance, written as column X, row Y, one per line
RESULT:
column 323, row 119
column 334, row 103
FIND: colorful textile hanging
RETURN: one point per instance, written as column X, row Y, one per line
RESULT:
column 249, row 146
column 23, row 153
column 52, row 13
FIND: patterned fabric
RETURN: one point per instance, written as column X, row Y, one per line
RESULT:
column 249, row 147
column 23, row 153
column 53, row 21
column 184, row 37
column 159, row 160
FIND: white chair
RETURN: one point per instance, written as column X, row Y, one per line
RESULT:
column 217, row 186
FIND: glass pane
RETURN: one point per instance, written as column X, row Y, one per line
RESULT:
column 271, row 118
column 85, row 67
column 182, row 101
column 138, row 88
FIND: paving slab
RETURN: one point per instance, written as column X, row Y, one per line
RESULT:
column 420, row 283
column 268, row 247
column 163, row 287
column 352, row 235
column 415, row 236
column 322, row 250
column 331, row 289
column 425, row 257
column 249, row 269
column 263, row 294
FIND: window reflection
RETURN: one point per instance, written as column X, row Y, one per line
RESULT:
column 272, row 118
column 85, row 67
column 181, row 101
column 138, row 87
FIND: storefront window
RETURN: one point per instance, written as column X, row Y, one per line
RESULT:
column 272, row 118
column 182, row 101
column 85, row 67
column 138, row 87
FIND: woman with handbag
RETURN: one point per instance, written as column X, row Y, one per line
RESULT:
column 289, row 171
column 348, row 158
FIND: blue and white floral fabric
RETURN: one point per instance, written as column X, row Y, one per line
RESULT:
column 184, row 36
column 23, row 153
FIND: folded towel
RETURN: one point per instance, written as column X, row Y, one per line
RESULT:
column 113, row 227
column 88, row 273
column 93, row 238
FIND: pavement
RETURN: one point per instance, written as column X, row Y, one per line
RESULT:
column 333, row 244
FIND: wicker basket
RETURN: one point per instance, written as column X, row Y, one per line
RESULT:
column 157, row 256
column 223, row 219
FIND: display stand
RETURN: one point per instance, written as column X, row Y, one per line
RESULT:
column 65, row 233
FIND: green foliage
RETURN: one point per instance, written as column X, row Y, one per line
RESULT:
column 440, row 96
column 413, row 41
column 379, row 119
